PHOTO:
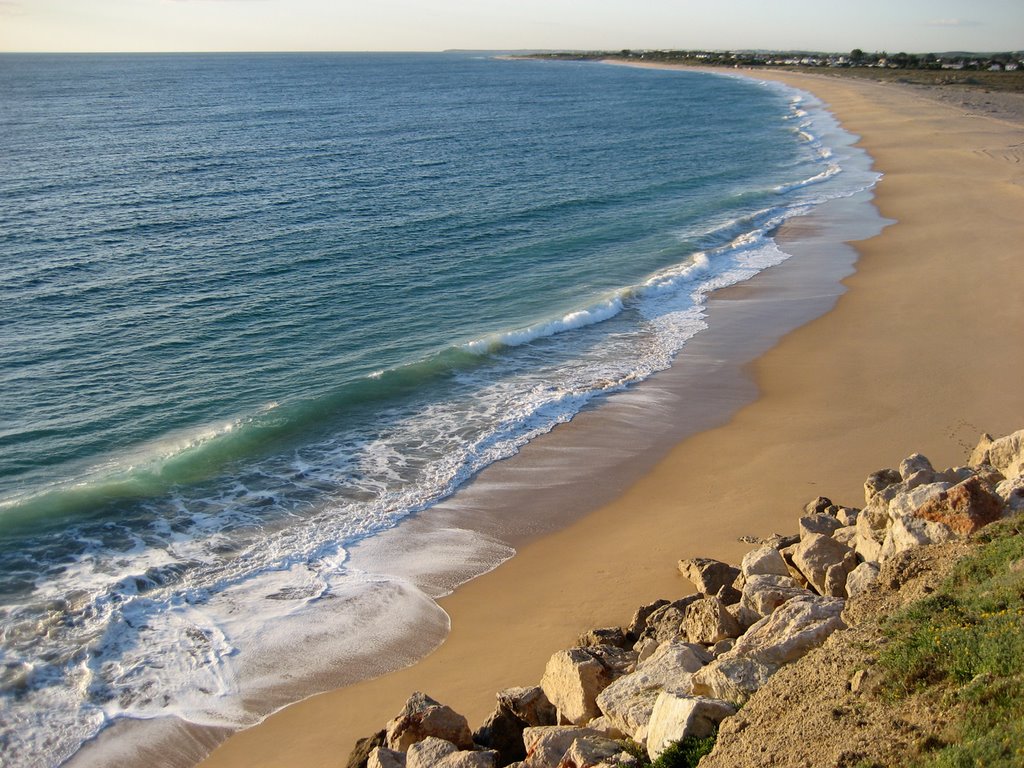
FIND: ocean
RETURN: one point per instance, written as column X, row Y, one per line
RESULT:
column 256, row 310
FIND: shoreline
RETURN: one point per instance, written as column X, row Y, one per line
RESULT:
column 810, row 425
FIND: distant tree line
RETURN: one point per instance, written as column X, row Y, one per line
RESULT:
column 856, row 58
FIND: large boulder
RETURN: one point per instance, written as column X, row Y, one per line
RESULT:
column 816, row 554
column 764, row 594
column 517, row 709
column 707, row 575
column 708, row 622
column 1005, row 454
column 796, row 627
column 627, row 702
column 964, row 508
column 547, row 745
column 677, row 716
column 423, row 717
column 573, row 678
column 763, row 561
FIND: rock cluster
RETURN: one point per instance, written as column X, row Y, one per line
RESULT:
column 682, row 667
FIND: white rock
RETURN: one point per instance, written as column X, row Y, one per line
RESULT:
column 547, row 745
column 731, row 678
column 1005, row 454
column 1012, row 492
column 861, row 578
column 914, row 464
column 589, row 751
column 428, row 752
column 677, row 716
column 847, row 536
column 763, row 561
column 627, row 702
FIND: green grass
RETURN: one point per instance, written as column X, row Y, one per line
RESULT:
column 682, row 754
column 964, row 645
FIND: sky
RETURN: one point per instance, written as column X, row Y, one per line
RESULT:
column 913, row 26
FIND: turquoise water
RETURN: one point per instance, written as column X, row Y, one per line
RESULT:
column 255, row 308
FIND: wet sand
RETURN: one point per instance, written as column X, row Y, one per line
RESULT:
column 923, row 352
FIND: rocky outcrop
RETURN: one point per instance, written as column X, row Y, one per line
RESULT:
column 683, row 666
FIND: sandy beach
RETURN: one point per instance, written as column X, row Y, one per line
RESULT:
column 923, row 352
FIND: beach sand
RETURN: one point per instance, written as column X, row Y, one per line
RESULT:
column 924, row 352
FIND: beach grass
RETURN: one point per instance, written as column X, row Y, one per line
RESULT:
column 964, row 648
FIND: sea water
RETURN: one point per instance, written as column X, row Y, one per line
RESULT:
column 255, row 309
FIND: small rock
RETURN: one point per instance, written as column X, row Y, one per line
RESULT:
column 707, row 622
column 708, row 575
column 823, row 525
column 666, row 622
column 590, row 751
column 429, row 752
column 1005, row 454
column 613, row 636
column 573, row 678
column 818, row 506
column 914, row 464
column 528, row 704
column 764, row 594
column 847, row 535
column 1012, row 493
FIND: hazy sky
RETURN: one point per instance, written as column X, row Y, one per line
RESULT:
column 423, row 25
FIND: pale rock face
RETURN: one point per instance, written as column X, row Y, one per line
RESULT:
column 627, row 702
column 572, row 680
column 1005, row 454
column 909, row 531
column 1012, row 493
column 871, row 532
column 763, row 561
column 822, row 524
column 861, row 577
column 382, row 757
column 547, row 745
column 847, row 516
column 423, row 717
column 764, row 594
column 798, row 626
column 731, row 678
column 604, row 725
column 817, row 553
column 708, row 621
column 429, row 752
column 677, row 716
column 591, row 751
column 847, row 536
column 468, row 759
